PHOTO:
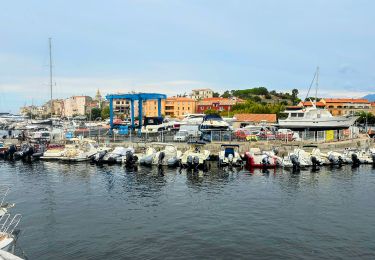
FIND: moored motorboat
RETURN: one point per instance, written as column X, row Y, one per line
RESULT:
column 147, row 157
column 254, row 158
column 168, row 155
column 4, row 206
column 83, row 151
column 195, row 157
column 229, row 155
column 116, row 155
column 4, row 255
column 8, row 234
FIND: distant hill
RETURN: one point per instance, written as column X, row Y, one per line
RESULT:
column 370, row 97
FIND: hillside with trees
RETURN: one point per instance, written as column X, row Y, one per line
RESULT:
column 261, row 101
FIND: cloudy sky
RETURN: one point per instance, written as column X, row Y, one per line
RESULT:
column 172, row 46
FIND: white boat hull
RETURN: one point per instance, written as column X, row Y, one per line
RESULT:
column 322, row 123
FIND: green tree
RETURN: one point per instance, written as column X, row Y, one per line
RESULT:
column 226, row 94
column 105, row 112
column 216, row 94
column 95, row 113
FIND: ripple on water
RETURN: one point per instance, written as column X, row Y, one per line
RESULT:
column 82, row 211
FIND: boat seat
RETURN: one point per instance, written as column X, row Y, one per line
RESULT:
column 229, row 151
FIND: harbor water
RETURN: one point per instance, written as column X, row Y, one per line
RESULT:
column 84, row 211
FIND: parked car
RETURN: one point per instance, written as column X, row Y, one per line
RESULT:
column 181, row 136
column 245, row 134
column 285, row 134
column 266, row 135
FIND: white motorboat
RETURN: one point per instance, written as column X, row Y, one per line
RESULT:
column 337, row 158
column 318, row 157
column 116, row 156
column 147, row 157
column 229, row 155
column 193, row 119
column 372, row 154
column 168, row 155
column 54, row 152
column 4, row 255
column 83, row 151
column 195, row 156
column 214, row 123
column 358, row 156
column 314, row 117
column 4, row 206
column 7, row 228
column 300, row 158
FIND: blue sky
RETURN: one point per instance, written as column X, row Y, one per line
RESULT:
column 172, row 46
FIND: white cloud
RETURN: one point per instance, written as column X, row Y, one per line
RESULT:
column 38, row 88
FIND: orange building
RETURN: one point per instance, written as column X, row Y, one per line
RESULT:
column 179, row 106
column 346, row 106
column 373, row 108
column 309, row 104
column 217, row 103
column 171, row 107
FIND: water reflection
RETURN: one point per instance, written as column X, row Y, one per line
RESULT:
column 83, row 211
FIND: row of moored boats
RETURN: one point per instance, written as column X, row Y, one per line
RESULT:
column 167, row 154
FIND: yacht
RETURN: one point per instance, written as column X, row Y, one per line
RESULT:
column 214, row 123
column 193, row 118
column 314, row 118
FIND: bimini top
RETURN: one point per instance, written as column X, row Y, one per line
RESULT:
column 137, row 96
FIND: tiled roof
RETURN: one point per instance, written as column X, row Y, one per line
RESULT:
column 200, row 89
column 220, row 100
column 180, row 99
column 308, row 104
column 345, row 100
column 271, row 118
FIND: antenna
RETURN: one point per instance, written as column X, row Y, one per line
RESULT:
column 50, row 71
column 317, row 84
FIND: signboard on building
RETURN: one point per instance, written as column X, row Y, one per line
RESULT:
column 330, row 135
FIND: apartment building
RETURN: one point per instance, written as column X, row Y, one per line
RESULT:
column 346, row 106
column 198, row 94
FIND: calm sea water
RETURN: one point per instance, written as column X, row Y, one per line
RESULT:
column 81, row 211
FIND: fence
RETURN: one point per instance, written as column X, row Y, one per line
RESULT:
column 221, row 136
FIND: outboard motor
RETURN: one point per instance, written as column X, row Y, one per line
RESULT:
column 99, row 156
column 332, row 159
column 340, row 161
column 295, row 162
column 355, row 159
column 189, row 161
column 265, row 161
column 28, row 153
column 130, row 159
column 230, row 159
column 315, row 163
column 196, row 162
column 161, row 158
column 11, row 151
column 373, row 158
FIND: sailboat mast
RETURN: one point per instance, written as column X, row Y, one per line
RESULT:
column 50, row 72
column 317, row 84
